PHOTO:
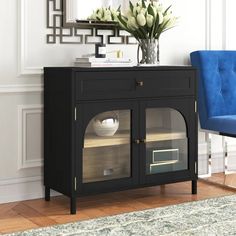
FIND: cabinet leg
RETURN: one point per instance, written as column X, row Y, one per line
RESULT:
column 47, row 193
column 194, row 186
column 73, row 205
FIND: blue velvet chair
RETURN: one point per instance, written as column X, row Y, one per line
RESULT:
column 216, row 90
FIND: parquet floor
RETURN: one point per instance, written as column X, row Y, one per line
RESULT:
column 222, row 179
column 24, row 215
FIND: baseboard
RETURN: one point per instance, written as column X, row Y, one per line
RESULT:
column 217, row 163
column 20, row 189
column 203, row 161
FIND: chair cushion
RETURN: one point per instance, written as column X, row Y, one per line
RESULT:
column 217, row 72
column 223, row 124
column 216, row 89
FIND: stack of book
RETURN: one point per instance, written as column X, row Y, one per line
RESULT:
column 103, row 62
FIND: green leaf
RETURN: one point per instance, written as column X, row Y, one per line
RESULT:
column 150, row 10
column 122, row 21
column 141, row 33
column 143, row 4
column 161, row 29
column 131, row 6
column 168, row 28
column 144, row 32
column 167, row 9
column 155, row 26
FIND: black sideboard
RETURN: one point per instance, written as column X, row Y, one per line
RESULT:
column 110, row 129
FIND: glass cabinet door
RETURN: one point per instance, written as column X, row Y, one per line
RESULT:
column 107, row 147
column 166, row 141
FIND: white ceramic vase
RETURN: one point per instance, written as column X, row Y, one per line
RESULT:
column 106, row 124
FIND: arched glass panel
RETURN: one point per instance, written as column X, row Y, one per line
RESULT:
column 106, row 153
column 166, row 141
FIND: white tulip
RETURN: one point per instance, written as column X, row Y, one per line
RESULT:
column 149, row 19
column 141, row 19
column 166, row 18
column 114, row 12
column 155, row 4
column 158, row 6
column 143, row 11
column 139, row 3
column 161, row 18
column 129, row 13
column 107, row 18
column 93, row 16
column 135, row 11
column 138, row 9
column 171, row 23
column 147, row 2
column 107, row 12
column 131, row 24
column 99, row 14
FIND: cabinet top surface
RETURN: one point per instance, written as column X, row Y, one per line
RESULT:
column 134, row 68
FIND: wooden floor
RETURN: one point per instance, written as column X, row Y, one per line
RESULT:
column 24, row 215
column 223, row 179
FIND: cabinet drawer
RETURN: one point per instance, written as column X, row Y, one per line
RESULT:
column 104, row 85
column 165, row 83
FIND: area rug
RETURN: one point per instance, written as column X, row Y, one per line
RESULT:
column 216, row 216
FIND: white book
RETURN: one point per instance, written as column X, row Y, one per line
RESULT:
column 101, row 64
column 90, row 59
column 105, row 60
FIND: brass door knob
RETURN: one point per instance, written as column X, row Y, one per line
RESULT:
column 140, row 83
column 143, row 141
column 137, row 141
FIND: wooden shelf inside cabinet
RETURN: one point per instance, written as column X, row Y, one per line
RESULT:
column 123, row 137
column 119, row 138
column 161, row 134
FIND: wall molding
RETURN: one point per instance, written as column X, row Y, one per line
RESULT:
column 23, row 111
column 224, row 23
column 19, row 180
column 22, row 188
column 22, row 41
column 207, row 24
column 21, row 88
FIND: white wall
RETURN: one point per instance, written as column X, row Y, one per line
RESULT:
column 24, row 52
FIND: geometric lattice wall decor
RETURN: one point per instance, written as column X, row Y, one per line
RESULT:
column 77, row 35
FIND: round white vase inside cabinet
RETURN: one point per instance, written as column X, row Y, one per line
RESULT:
column 106, row 124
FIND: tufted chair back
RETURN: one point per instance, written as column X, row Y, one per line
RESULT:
column 217, row 82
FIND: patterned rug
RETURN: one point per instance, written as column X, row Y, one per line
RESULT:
column 216, row 216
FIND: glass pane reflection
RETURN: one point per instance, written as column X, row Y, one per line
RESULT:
column 166, row 141
column 106, row 153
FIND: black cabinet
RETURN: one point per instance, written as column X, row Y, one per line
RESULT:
column 109, row 129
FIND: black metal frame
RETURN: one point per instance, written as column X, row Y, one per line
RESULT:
column 64, row 30
column 86, row 24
